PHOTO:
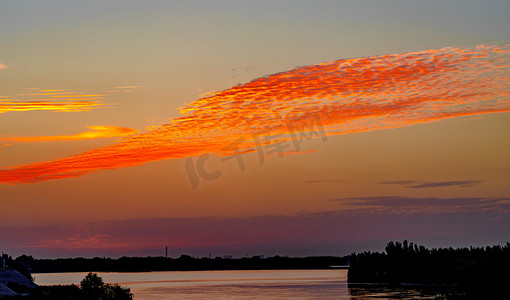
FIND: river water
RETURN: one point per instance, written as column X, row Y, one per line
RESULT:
column 245, row 284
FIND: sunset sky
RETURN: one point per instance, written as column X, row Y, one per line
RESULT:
column 241, row 127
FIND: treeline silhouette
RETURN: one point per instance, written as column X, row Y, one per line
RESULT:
column 183, row 263
column 475, row 270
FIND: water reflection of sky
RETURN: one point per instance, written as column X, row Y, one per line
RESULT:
column 242, row 284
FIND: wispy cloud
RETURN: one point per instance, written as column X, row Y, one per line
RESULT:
column 62, row 106
column 462, row 183
column 399, row 182
column 95, row 133
column 348, row 95
column 81, row 241
column 325, row 181
column 127, row 87
column 412, row 205
column 415, row 184
column 51, row 100
column 123, row 89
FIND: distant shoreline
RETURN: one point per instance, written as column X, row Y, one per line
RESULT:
column 153, row 271
column 183, row 263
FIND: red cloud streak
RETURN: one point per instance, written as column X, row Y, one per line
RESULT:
column 348, row 95
column 96, row 132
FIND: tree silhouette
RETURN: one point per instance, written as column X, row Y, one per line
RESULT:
column 94, row 288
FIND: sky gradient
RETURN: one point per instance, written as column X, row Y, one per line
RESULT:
column 128, row 127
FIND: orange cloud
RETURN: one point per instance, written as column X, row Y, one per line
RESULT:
column 2, row 66
column 63, row 106
column 54, row 100
column 95, row 133
column 348, row 95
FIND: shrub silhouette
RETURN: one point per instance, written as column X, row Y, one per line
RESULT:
column 94, row 288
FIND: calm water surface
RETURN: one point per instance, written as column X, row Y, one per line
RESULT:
column 258, row 284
